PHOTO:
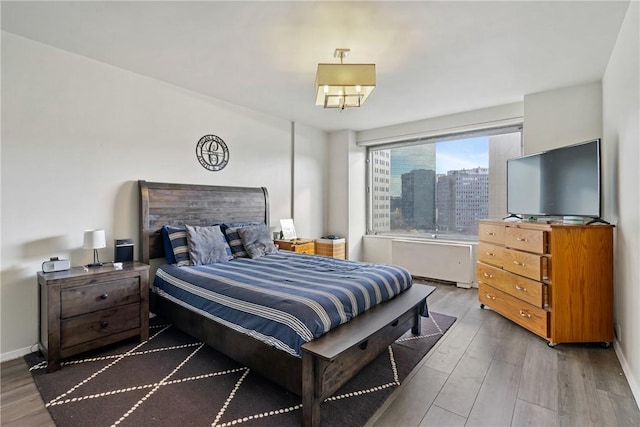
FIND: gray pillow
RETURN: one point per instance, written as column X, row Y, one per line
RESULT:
column 207, row 245
column 257, row 241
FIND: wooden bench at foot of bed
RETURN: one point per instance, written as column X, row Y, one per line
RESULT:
column 330, row 361
column 327, row 362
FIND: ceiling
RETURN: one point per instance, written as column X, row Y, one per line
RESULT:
column 432, row 58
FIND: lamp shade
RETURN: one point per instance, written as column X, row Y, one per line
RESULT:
column 94, row 239
column 344, row 85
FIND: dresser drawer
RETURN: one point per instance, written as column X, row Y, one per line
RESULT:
column 491, row 233
column 81, row 329
column 526, row 240
column 491, row 254
column 85, row 299
column 526, row 264
column 520, row 287
column 533, row 318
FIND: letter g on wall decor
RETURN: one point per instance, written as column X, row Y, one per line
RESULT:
column 212, row 153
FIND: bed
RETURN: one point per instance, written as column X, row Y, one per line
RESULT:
column 318, row 367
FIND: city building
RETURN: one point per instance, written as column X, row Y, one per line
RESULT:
column 462, row 199
column 380, row 187
column 418, row 199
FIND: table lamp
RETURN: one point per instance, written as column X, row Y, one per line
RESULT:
column 94, row 239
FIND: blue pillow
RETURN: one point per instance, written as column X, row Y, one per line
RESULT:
column 233, row 238
column 166, row 243
column 207, row 245
column 256, row 241
column 179, row 246
column 235, row 243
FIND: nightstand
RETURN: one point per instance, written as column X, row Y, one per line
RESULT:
column 301, row 246
column 82, row 310
column 331, row 248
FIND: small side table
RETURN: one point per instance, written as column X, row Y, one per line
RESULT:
column 82, row 310
column 331, row 247
column 301, row 246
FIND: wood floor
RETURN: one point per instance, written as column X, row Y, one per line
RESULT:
column 21, row 404
column 485, row 372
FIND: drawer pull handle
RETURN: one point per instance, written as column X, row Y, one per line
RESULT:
column 520, row 288
column 363, row 345
column 395, row 322
column 490, row 296
column 525, row 314
column 521, row 239
column 487, row 275
column 518, row 263
column 490, row 233
column 104, row 325
column 490, row 254
column 104, row 296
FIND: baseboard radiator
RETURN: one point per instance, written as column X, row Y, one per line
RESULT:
column 449, row 261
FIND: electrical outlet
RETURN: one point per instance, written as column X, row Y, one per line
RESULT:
column 618, row 332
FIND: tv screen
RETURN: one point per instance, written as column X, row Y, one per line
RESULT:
column 560, row 182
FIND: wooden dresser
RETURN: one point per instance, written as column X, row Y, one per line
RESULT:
column 555, row 280
column 83, row 310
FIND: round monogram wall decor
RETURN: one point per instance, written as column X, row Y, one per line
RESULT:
column 212, row 153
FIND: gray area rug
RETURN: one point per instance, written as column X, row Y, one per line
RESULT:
column 174, row 380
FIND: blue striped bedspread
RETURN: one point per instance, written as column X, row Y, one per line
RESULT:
column 284, row 299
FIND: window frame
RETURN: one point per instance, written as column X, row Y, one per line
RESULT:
column 489, row 130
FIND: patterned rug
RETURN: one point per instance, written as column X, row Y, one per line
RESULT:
column 174, row 380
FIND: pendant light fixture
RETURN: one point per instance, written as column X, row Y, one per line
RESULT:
column 344, row 85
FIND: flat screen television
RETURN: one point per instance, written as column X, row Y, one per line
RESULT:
column 560, row 182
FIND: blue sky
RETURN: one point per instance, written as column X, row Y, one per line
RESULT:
column 450, row 155
column 462, row 154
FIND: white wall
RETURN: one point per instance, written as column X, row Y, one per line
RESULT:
column 311, row 151
column 621, row 124
column 346, row 201
column 77, row 135
column 560, row 117
column 338, row 200
column 357, row 197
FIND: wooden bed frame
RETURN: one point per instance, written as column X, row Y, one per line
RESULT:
column 328, row 362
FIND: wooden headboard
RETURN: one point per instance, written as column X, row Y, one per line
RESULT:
column 180, row 204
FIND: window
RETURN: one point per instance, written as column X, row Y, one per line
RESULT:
column 440, row 186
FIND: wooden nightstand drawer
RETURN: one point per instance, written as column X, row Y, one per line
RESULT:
column 301, row 246
column 305, row 248
column 85, row 299
column 88, row 327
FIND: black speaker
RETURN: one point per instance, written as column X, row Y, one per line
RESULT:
column 123, row 250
